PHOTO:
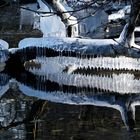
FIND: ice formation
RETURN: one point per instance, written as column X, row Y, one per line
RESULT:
column 3, row 51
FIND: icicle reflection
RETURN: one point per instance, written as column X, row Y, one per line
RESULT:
column 79, row 80
column 41, row 88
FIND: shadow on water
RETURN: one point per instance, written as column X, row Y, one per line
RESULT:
column 78, row 105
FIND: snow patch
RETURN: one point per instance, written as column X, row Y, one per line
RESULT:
column 52, row 41
column 121, row 14
column 3, row 45
column 50, row 25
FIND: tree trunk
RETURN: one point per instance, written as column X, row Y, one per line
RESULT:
column 135, row 12
column 69, row 21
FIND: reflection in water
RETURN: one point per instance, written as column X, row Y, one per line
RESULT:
column 11, row 117
column 118, row 90
column 97, row 90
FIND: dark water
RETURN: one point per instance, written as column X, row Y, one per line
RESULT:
column 83, row 105
column 23, row 117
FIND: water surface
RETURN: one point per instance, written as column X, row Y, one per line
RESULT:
column 97, row 104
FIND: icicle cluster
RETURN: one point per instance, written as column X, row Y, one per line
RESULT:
column 53, row 69
column 60, row 63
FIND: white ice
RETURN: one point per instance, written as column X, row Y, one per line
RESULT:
column 3, row 45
